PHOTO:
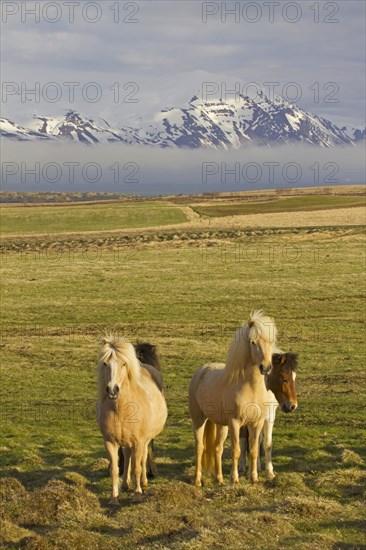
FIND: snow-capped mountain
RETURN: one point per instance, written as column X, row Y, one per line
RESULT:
column 218, row 124
column 210, row 123
column 9, row 129
column 74, row 127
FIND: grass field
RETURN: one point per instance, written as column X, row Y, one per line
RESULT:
column 106, row 217
column 188, row 297
column 292, row 204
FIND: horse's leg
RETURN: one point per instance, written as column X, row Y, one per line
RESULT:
column 243, row 434
column 268, row 428
column 219, row 448
column 126, row 481
column 198, row 439
column 121, row 460
column 260, row 444
column 235, row 449
column 144, row 461
column 151, row 466
column 138, row 453
column 112, row 450
column 254, row 433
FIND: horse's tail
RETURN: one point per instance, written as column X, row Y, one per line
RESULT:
column 147, row 353
column 209, row 437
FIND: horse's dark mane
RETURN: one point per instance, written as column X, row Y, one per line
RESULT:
column 291, row 359
column 147, row 353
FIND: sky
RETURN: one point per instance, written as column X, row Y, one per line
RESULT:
column 124, row 60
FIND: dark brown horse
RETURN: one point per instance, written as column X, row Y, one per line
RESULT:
column 281, row 383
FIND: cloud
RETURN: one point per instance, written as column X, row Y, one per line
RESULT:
column 170, row 40
column 169, row 53
column 130, row 169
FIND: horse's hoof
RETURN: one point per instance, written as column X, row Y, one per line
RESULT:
column 126, row 488
column 198, row 483
column 254, row 479
column 137, row 497
column 234, row 480
column 114, row 501
column 271, row 476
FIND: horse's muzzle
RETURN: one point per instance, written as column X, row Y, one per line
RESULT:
column 265, row 370
column 289, row 407
column 112, row 392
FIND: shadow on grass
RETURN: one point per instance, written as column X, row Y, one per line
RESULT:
column 173, row 463
column 37, row 478
column 348, row 546
column 358, row 524
column 175, row 535
column 176, row 462
column 111, row 531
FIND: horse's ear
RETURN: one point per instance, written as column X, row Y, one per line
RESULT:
column 283, row 359
column 276, row 358
column 293, row 360
column 250, row 324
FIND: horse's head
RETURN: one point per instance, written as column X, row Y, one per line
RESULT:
column 117, row 363
column 261, row 354
column 115, row 373
column 281, row 381
column 262, row 338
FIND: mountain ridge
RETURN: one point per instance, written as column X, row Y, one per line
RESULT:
column 211, row 123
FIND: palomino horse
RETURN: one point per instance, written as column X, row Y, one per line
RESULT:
column 231, row 396
column 131, row 410
column 281, row 388
column 147, row 355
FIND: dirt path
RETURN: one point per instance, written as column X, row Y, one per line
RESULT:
column 190, row 213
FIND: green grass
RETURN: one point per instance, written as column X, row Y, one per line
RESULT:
column 101, row 217
column 292, row 204
column 188, row 298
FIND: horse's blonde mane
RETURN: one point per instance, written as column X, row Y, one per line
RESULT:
column 121, row 351
column 258, row 327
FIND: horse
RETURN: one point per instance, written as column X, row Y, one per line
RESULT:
column 131, row 410
column 281, row 388
column 231, row 396
column 147, row 355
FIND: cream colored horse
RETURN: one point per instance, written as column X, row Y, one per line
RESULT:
column 232, row 395
column 131, row 410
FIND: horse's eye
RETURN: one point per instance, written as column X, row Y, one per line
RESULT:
column 285, row 381
column 104, row 364
column 253, row 343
